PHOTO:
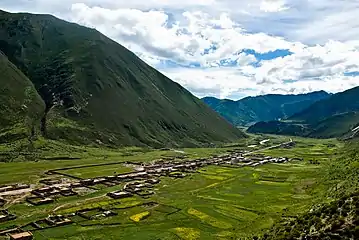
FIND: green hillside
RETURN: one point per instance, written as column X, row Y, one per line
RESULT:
column 263, row 108
column 339, row 103
column 96, row 90
column 21, row 107
column 335, row 116
column 336, row 126
column 280, row 128
column 337, row 219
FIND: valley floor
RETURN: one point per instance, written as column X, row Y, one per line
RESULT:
column 213, row 202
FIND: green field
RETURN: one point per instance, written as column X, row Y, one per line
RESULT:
column 215, row 203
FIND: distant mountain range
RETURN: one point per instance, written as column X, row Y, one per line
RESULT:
column 336, row 116
column 250, row 110
column 73, row 83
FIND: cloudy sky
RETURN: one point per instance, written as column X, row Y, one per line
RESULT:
column 228, row 48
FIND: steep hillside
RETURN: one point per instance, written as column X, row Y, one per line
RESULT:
column 347, row 101
column 335, row 116
column 338, row 219
column 20, row 105
column 263, row 108
column 95, row 89
column 336, row 126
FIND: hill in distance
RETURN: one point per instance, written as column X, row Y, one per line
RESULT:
column 335, row 116
column 269, row 107
column 94, row 89
column 339, row 103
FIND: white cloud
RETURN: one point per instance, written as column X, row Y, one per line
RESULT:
column 317, row 62
column 321, row 34
column 273, row 6
column 185, row 41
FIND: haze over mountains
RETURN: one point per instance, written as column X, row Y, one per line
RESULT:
column 93, row 89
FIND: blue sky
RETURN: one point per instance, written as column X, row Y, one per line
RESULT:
column 228, row 48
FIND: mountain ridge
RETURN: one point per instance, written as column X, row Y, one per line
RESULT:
column 335, row 116
column 317, row 111
column 95, row 89
column 249, row 110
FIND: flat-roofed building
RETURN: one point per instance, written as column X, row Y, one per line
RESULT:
column 21, row 236
column 119, row 194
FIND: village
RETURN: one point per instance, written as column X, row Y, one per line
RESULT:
column 140, row 183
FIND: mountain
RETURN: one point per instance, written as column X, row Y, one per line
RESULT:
column 94, row 89
column 335, row 116
column 337, row 216
column 20, row 106
column 280, row 128
column 339, row 103
column 336, row 126
column 263, row 108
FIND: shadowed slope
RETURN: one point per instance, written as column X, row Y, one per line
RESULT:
column 20, row 105
column 332, row 117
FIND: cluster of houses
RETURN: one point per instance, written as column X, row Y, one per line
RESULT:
column 47, row 194
column 140, row 183
column 95, row 213
column 25, row 232
column 49, row 222
column 146, row 179
column 256, row 160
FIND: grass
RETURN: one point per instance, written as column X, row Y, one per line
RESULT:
column 89, row 172
column 215, row 203
column 187, row 233
column 140, row 216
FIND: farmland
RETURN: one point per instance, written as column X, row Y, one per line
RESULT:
column 209, row 202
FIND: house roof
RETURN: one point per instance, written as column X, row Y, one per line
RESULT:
column 20, row 235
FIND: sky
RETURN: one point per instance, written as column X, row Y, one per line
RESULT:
column 228, row 48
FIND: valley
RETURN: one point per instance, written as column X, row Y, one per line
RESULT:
column 97, row 143
column 229, row 192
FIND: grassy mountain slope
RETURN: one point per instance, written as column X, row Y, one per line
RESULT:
column 338, row 219
column 335, row 126
column 96, row 89
column 20, row 105
column 343, row 102
column 280, row 128
column 335, row 116
column 263, row 108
